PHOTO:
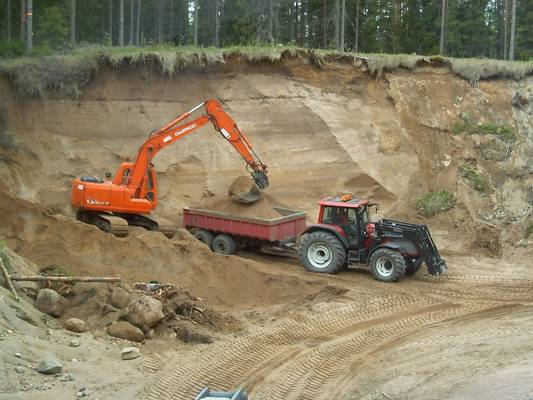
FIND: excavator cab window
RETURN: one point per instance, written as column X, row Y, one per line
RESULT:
column 125, row 175
column 150, row 179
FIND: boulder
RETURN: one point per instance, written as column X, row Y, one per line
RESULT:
column 75, row 325
column 130, row 353
column 144, row 313
column 50, row 302
column 49, row 365
column 125, row 330
column 119, row 297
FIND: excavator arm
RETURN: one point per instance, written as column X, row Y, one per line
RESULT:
column 173, row 132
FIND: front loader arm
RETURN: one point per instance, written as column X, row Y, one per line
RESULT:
column 171, row 133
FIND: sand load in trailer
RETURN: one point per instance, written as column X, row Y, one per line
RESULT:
column 224, row 233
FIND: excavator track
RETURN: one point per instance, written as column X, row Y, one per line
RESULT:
column 109, row 223
column 164, row 226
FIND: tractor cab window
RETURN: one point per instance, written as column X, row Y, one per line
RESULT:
column 339, row 216
column 344, row 217
column 364, row 215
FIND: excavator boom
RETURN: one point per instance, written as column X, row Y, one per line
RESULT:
column 133, row 190
column 172, row 132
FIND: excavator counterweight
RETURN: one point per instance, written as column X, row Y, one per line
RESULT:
column 131, row 194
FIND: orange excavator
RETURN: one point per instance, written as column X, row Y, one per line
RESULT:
column 126, row 199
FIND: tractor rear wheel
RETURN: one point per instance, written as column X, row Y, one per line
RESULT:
column 387, row 265
column 224, row 244
column 322, row 252
column 413, row 266
column 205, row 237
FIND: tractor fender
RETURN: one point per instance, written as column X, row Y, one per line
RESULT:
column 333, row 229
column 405, row 247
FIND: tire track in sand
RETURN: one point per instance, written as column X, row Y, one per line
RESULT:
column 321, row 370
column 226, row 364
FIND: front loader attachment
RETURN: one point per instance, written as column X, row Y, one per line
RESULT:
column 419, row 235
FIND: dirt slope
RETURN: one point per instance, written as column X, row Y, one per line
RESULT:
column 321, row 132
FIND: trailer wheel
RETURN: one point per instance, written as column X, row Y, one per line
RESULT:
column 224, row 244
column 322, row 252
column 205, row 237
column 387, row 265
column 413, row 266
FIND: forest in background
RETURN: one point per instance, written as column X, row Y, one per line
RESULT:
column 499, row 29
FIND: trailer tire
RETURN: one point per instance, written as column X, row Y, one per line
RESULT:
column 224, row 244
column 387, row 265
column 413, row 266
column 322, row 252
column 205, row 237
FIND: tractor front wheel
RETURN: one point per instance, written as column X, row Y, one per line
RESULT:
column 322, row 252
column 387, row 265
column 413, row 266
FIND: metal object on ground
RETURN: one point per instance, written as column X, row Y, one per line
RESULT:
column 208, row 394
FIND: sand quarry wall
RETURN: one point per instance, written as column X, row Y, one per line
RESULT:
column 321, row 131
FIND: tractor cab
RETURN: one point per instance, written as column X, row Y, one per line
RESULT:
column 349, row 217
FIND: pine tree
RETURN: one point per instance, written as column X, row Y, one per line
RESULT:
column 513, row 30
column 444, row 12
column 73, row 21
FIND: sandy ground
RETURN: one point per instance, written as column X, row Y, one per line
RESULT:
column 300, row 336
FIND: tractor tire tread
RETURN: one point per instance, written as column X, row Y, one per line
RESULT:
column 399, row 264
column 336, row 246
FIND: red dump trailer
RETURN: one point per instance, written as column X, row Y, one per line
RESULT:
column 225, row 233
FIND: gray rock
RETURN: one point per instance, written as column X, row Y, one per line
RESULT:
column 119, row 297
column 83, row 392
column 19, row 369
column 50, row 302
column 67, row 377
column 130, row 353
column 49, row 365
column 74, row 343
column 150, row 334
column 18, row 355
column 144, row 313
column 75, row 325
column 125, row 330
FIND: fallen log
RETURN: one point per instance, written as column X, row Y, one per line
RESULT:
column 40, row 278
column 8, row 279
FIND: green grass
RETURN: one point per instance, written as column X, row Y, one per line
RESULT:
column 487, row 128
column 40, row 75
column 477, row 180
column 435, row 202
column 55, row 270
column 529, row 231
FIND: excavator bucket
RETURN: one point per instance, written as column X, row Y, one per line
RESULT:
column 244, row 190
column 247, row 197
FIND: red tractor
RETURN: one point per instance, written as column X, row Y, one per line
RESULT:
column 345, row 235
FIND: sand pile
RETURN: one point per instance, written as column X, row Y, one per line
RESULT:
column 45, row 238
column 260, row 209
column 263, row 208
